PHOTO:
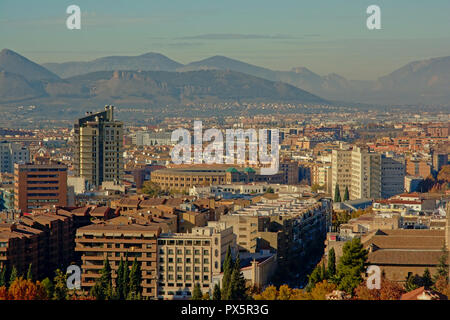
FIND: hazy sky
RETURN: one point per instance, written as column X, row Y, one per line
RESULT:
column 323, row 35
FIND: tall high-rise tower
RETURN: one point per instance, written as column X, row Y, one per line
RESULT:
column 98, row 144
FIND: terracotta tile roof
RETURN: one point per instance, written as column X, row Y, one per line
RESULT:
column 152, row 202
column 401, row 242
column 81, row 211
column 174, row 202
column 129, row 202
column 100, row 211
column 405, row 257
column 423, row 294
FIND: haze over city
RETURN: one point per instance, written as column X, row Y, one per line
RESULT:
column 205, row 158
column 326, row 37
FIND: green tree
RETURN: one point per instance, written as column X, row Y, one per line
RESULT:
column 120, row 280
column 152, row 189
column 49, row 287
column 197, row 294
column 13, row 275
column 125, row 283
column 103, row 288
column 331, row 264
column 60, row 288
column 316, row 276
column 227, row 271
column 30, row 273
column 216, row 292
column 346, row 194
column 413, row 281
column 337, row 194
column 442, row 268
column 238, row 288
column 97, row 291
column 427, row 282
column 3, row 276
column 106, row 279
column 316, row 187
column 135, row 279
column 323, row 272
column 351, row 265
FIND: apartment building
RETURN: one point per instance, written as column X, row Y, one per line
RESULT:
column 39, row 184
column 46, row 241
column 341, row 162
column 321, row 174
column 186, row 259
column 418, row 167
column 149, row 138
column 98, row 148
column 284, row 224
column 440, row 159
column 367, row 174
column 96, row 242
column 393, row 170
column 365, row 169
column 246, row 229
column 290, row 171
column 12, row 153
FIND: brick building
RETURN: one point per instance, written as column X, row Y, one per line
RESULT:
column 96, row 242
column 39, row 184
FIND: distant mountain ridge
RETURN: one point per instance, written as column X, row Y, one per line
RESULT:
column 421, row 82
column 146, row 88
column 146, row 62
column 13, row 62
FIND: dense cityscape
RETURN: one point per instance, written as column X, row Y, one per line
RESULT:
column 211, row 159
column 105, row 195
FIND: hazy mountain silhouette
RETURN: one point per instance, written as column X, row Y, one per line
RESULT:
column 13, row 62
column 419, row 82
column 146, row 62
column 32, row 82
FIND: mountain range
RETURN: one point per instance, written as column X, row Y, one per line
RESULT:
column 419, row 82
column 153, row 78
column 23, row 80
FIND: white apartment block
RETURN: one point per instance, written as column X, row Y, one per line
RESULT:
column 341, row 163
column 368, row 175
column 186, row 259
column 11, row 153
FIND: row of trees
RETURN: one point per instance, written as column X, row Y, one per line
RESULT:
column 341, row 217
column 8, row 277
column 128, row 283
column 346, row 275
column 16, row 286
column 233, row 283
column 337, row 194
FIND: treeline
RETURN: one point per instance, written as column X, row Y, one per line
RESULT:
column 15, row 286
column 233, row 283
column 346, row 280
column 128, row 283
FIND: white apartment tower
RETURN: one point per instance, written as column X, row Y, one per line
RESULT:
column 98, row 154
column 341, row 163
column 367, row 174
